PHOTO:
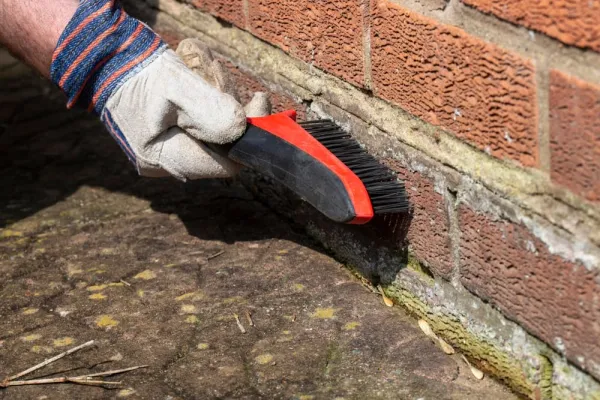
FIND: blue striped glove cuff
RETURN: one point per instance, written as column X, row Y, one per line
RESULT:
column 98, row 51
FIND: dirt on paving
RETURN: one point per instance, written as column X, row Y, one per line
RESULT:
column 154, row 271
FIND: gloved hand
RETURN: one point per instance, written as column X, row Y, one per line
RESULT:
column 160, row 112
column 198, row 57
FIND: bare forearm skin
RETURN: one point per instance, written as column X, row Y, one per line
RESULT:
column 30, row 29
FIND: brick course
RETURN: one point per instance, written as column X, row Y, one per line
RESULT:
column 572, row 22
column 170, row 36
column 428, row 230
column 327, row 34
column 575, row 134
column 229, row 10
column 554, row 299
column 247, row 85
column 478, row 91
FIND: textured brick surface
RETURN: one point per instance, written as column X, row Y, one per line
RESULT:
column 169, row 31
column 570, row 21
column 575, row 134
column 171, row 36
column 326, row 33
column 229, row 10
column 555, row 300
column 481, row 93
column 247, row 85
column 428, row 231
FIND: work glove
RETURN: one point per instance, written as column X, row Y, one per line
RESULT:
column 198, row 57
column 166, row 118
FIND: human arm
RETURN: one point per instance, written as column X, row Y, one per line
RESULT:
column 30, row 29
column 165, row 117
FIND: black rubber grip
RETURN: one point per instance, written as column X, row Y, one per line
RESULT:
column 297, row 170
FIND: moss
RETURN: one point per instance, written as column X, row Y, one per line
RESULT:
column 414, row 265
column 545, row 384
column 595, row 396
column 562, row 393
column 487, row 356
column 9, row 233
column 334, row 353
column 356, row 273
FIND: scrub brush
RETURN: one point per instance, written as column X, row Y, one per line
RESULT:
column 322, row 164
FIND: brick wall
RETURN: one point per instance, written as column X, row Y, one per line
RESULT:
column 501, row 100
column 479, row 92
column 573, row 22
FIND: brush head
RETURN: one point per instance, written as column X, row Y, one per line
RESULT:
column 321, row 164
column 386, row 192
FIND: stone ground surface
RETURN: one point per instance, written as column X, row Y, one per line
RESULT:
column 154, row 270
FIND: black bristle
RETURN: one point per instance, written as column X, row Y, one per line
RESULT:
column 387, row 193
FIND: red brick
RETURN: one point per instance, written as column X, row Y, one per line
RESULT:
column 170, row 36
column 228, row 10
column 247, row 85
column 554, row 299
column 326, row 33
column 428, row 231
column 575, row 134
column 574, row 22
column 169, row 31
column 476, row 90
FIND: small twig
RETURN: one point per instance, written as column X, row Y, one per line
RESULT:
column 239, row 324
column 75, row 368
column 112, row 372
column 249, row 318
column 48, row 361
column 63, row 379
column 215, row 255
column 369, row 287
column 97, row 364
column 125, row 282
column 90, row 382
column 81, row 380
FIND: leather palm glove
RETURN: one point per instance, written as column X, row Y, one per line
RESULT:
column 162, row 114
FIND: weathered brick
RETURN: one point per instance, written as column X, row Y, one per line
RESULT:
column 247, row 85
column 169, row 35
column 169, row 30
column 228, row 10
column 575, row 134
column 554, row 299
column 478, row 91
column 327, row 34
column 428, row 231
column 572, row 22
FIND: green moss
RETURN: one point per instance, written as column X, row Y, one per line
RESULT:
column 414, row 265
column 487, row 356
column 546, row 378
column 562, row 393
column 334, row 353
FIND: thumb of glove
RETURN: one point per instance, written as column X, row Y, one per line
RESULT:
column 198, row 57
column 259, row 106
